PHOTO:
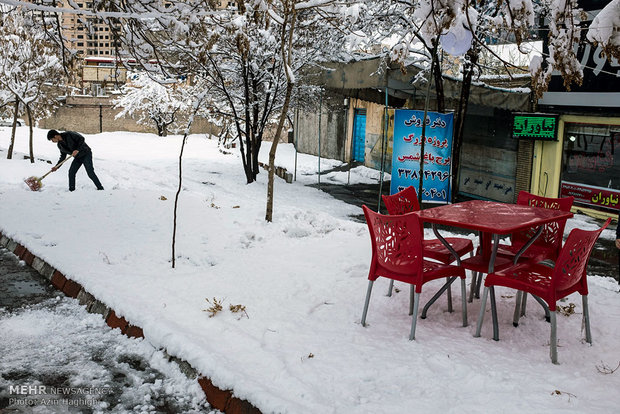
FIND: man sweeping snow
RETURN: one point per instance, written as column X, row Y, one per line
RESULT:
column 72, row 143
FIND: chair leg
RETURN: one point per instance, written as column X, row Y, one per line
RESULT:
column 411, row 292
column 586, row 318
column 464, row 301
column 478, row 285
column 494, row 314
column 523, row 303
column 449, row 295
column 390, row 287
column 544, row 306
column 416, row 304
column 473, row 286
column 370, row 283
column 553, row 349
column 483, row 304
column 516, row 316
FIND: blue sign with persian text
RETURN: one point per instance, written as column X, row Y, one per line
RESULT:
column 437, row 153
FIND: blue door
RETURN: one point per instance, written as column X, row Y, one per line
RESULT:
column 359, row 135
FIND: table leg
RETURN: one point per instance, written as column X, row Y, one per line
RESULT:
column 458, row 263
column 472, row 288
column 485, row 240
column 445, row 243
column 528, row 244
column 449, row 296
column 494, row 314
column 437, row 295
column 493, row 253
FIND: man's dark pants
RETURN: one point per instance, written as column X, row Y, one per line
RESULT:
column 87, row 160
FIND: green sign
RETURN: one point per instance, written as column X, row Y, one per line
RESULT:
column 535, row 126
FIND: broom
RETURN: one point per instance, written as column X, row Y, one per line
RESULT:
column 34, row 183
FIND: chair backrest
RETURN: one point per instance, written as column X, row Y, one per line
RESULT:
column 571, row 264
column 403, row 202
column 553, row 232
column 396, row 242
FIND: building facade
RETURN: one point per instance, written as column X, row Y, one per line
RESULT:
column 584, row 162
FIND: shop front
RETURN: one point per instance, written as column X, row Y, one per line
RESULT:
column 591, row 163
column 584, row 162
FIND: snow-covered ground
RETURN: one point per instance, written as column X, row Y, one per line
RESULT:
column 83, row 365
column 299, row 346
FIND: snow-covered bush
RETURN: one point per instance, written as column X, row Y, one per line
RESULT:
column 153, row 99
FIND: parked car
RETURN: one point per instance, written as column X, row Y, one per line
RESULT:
column 8, row 122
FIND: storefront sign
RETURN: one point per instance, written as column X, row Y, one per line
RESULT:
column 437, row 153
column 535, row 126
column 592, row 196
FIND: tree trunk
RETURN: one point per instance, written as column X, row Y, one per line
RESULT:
column 272, row 152
column 255, row 167
column 461, row 111
column 30, row 141
column 12, row 144
column 176, row 197
column 286, row 50
column 247, row 161
column 441, row 100
column 160, row 128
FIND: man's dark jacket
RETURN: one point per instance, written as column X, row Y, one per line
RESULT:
column 72, row 141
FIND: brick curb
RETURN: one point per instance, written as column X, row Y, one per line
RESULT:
column 222, row 400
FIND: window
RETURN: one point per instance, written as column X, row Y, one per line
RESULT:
column 591, row 164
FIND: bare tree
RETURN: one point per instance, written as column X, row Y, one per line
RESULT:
column 27, row 61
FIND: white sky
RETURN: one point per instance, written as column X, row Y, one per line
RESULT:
column 302, row 279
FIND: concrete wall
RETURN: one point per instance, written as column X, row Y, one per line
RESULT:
column 332, row 129
column 91, row 115
column 104, row 74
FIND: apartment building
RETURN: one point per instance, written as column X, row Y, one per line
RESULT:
column 88, row 35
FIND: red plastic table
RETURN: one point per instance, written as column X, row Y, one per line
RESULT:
column 490, row 219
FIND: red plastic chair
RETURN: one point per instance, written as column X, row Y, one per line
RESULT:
column 406, row 201
column 548, row 244
column 550, row 284
column 397, row 255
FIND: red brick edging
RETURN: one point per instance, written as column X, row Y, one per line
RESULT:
column 222, row 400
